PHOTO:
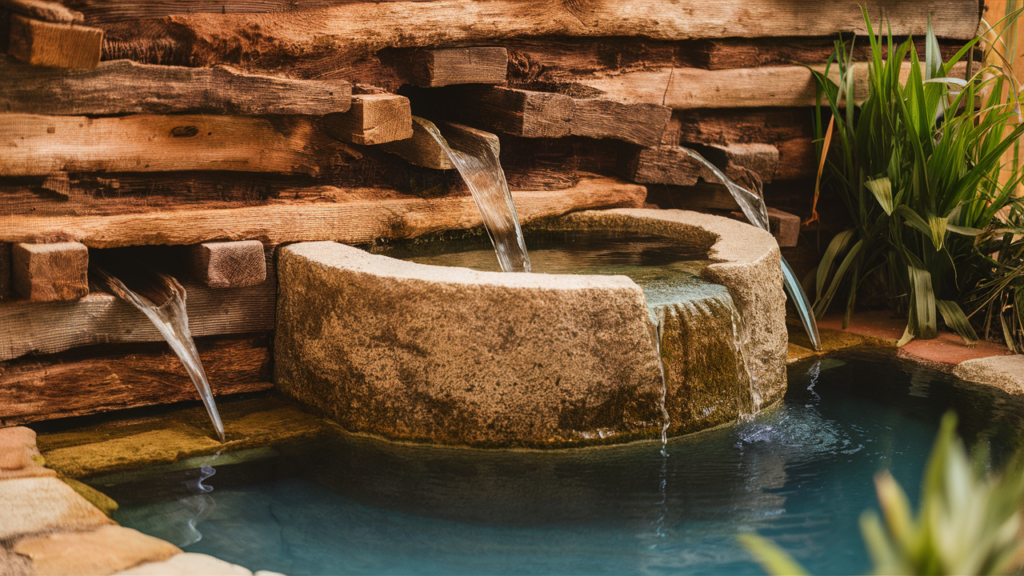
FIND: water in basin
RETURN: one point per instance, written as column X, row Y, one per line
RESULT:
column 799, row 473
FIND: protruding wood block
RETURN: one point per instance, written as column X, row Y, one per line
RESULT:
column 42, row 10
column 798, row 158
column 5, row 270
column 642, row 124
column 124, row 87
column 34, row 144
column 734, row 159
column 372, row 119
column 422, row 149
column 785, row 227
column 228, row 264
column 449, row 66
column 660, row 165
column 54, row 44
column 91, row 380
column 48, row 272
column 524, row 112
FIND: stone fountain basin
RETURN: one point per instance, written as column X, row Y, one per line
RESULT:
column 462, row 357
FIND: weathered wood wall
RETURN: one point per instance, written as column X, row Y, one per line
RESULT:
column 187, row 122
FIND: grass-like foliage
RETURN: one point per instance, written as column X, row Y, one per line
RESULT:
column 998, row 300
column 968, row 523
column 917, row 165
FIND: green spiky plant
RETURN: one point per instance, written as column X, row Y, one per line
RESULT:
column 998, row 300
column 917, row 165
column 968, row 523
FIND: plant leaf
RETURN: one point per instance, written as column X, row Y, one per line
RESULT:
column 770, row 556
column 882, row 189
column 955, row 318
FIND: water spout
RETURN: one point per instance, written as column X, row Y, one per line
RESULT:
column 171, row 319
column 754, row 209
column 476, row 158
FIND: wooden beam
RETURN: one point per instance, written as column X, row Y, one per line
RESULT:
column 36, row 144
column 450, row 66
column 690, row 88
column 467, row 139
column 124, row 87
column 100, row 379
column 101, row 318
column 744, row 125
column 784, row 227
column 5, row 270
column 60, row 45
column 422, row 149
column 736, row 159
column 228, row 264
column 349, row 31
column 726, row 53
column 543, row 114
column 50, row 272
column 355, row 222
column 660, row 165
column 372, row 119
column 798, row 159
column 42, row 10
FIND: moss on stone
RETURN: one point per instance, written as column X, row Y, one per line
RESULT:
column 98, row 499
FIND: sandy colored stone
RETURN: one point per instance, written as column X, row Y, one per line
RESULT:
column 14, row 564
column 188, row 564
column 19, row 457
column 796, row 353
column 457, row 356
column 35, row 505
column 747, row 262
column 105, row 503
column 99, row 552
column 1006, row 372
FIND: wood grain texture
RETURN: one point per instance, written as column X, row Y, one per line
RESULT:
column 101, row 318
column 42, row 10
column 346, row 32
column 736, row 159
column 5, row 270
column 422, row 149
column 769, row 86
column 660, row 165
column 450, row 66
column 726, row 53
column 744, row 125
column 60, row 45
column 124, row 87
column 50, row 272
column 101, row 379
column 372, row 119
column 798, row 159
column 353, row 222
column 228, row 264
column 35, row 144
column 544, row 114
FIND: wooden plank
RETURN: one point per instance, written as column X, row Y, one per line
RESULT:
column 543, row 114
column 101, row 318
column 744, row 125
column 228, row 264
column 422, row 149
column 726, row 53
column 660, row 165
column 372, row 119
column 50, row 272
column 124, row 87
column 467, row 139
column 689, row 88
column 348, row 32
column 736, row 159
column 101, row 379
column 450, row 66
column 41, row 43
column 784, row 227
column 798, row 159
column 353, row 222
column 5, row 270
column 42, row 10
column 35, row 144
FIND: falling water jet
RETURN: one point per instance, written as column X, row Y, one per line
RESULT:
column 171, row 319
column 476, row 159
column 754, row 209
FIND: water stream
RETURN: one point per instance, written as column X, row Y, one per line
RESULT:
column 171, row 319
column 754, row 209
column 477, row 162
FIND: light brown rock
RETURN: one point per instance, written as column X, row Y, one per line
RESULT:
column 36, row 505
column 99, row 552
column 19, row 455
column 1005, row 372
column 456, row 356
column 188, row 564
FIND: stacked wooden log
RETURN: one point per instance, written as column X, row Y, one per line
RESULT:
column 201, row 135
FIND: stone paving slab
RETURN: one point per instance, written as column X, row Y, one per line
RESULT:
column 188, row 564
column 1006, row 372
column 36, row 505
column 97, row 552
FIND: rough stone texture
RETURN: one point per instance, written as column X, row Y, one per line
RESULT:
column 19, row 457
column 747, row 262
column 98, row 552
column 188, row 564
column 37, row 505
column 1006, row 372
column 14, row 564
column 456, row 356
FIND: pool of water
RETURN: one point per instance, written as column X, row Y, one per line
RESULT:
column 799, row 473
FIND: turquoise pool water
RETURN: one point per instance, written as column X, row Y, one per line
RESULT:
column 799, row 473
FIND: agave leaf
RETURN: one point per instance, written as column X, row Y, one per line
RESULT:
column 923, row 321
column 915, row 220
column 882, row 189
column 771, row 557
column 955, row 318
column 895, row 509
column 879, row 547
